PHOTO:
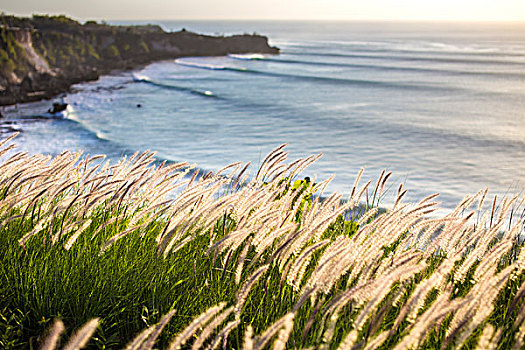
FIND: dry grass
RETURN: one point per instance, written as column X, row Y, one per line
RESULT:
column 401, row 280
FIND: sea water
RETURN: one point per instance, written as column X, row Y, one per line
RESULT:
column 441, row 105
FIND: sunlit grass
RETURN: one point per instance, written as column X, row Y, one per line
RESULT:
column 246, row 262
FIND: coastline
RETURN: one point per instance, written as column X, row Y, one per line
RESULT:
column 44, row 56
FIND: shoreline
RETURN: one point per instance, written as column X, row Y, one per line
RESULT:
column 43, row 56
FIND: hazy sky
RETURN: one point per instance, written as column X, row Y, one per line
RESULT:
column 477, row 10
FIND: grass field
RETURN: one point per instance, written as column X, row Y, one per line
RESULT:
column 105, row 256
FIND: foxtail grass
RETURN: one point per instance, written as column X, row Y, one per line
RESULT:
column 143, row 255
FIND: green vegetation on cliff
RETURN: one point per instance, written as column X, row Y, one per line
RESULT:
column 13, row 59
column 46, row 54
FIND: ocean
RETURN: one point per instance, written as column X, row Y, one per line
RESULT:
column 441, row 105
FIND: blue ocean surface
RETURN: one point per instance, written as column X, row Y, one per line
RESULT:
column 442, row 105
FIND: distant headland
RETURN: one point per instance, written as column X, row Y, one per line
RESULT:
column 42, row 56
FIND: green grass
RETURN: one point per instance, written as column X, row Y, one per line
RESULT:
column 132, row 288
column 134, row 282
column 129, row 284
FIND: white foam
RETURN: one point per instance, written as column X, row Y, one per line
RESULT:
column 199, row 65
column 247, row 57
column 139, row 77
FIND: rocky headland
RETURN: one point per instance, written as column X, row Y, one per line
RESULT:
column 42, row 56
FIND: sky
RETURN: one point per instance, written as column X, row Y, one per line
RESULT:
column 420, row 10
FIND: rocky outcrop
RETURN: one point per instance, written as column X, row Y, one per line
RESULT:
column 43, row 56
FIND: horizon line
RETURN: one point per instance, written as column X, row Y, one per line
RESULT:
column 391, row 20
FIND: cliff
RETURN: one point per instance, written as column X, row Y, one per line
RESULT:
column 43, row 56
